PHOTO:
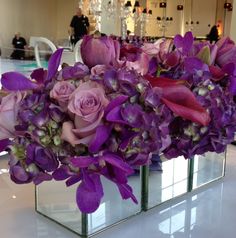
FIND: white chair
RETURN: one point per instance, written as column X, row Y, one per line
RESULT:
column 69, row 57
column 77, row 51
column 35, row 42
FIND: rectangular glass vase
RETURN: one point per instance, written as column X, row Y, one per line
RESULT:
column 179, row 176
column 57, row 202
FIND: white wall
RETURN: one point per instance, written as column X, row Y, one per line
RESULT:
column 51, row 18
column 233, row 24
column 27, row 17
column 204, row 12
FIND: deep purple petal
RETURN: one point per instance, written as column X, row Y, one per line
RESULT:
column 83, row 161
column 54, row 63
column 73, row 180
column 188, row 41
column 110, row 80
column 88, row 197
column 178, row 41
column 132, row 114
column 38, row 75
column 127, row 192
column 14, row 81
column 19, row 173
column 102, row 134
column 3, row 144
column 115, row 116
column 117, row 162
column 152, row 65
column 116, row 102
column 229, row 68
column 232, row 86
column 191, row 64
column 40, row 119
column 61, row 173
column 41, row 177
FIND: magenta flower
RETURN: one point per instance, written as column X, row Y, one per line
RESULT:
column 184, row 44
column 99, row 50
column 167, row 56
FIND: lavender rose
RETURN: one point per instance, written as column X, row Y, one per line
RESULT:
column 9, row 108
column 61, row 92
column 87, row 105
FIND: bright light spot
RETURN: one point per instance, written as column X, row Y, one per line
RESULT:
column 4, row 171
column 14, row 196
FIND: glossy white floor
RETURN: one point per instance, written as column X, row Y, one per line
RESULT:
column 208, row 212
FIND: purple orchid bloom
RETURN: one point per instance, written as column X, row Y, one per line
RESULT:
column 184, row 44
column 90, row 188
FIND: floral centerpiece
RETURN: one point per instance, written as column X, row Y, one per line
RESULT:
column 109, row 115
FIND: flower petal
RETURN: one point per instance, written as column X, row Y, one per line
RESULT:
column 60, row 173
column 232, row 85
column 163, row 82
column 117, row 162
column 88, row 197
column 83, row 161
column 183, row 103
column 116, row 102
column 115, row 116
column 127, row 192
column 38, row 75
column 14, row 81
column 3, row 144
column 100, row 137
column 54, row 63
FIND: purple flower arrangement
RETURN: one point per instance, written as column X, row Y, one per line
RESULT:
column 110, row 115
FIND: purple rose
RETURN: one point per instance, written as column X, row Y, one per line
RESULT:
column 61, row 92
column 99, row 50
column 9, row 108
column 87, row 105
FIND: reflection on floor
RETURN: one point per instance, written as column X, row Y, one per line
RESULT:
column 207, row 212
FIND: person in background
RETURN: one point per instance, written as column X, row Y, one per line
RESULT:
column 19, row 44
column 213, row 35
column 79, row 26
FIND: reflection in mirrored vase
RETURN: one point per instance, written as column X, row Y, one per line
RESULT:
column 57, row 203
column 208, row 168
column 169, row 182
